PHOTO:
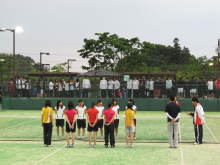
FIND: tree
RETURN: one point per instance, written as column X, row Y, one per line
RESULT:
column 62, row 67
column 107, row 50
column 23, row 65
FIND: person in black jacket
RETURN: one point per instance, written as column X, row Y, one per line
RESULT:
column 173, row 114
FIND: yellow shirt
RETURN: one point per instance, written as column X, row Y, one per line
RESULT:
column 46, row 112
column 129, row 117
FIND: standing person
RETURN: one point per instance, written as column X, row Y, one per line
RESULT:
column 103, row 85
column 110, row 88
column 116, row 88
column 86, row 85
column 129, row 125
column 198, row 120
column 210, row 87
column 59, row 109
column 109, row 116
column 134, row 107
column 129, row 88
column 115, row 107
column 47, row 122
column 173, row 114
column 151, row 88
column 100, row 108
column 81, row 120
column 51, row 88
column 135, row 87
column 71, row 116
column 92, row 118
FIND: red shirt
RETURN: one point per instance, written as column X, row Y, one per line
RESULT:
column 70, row 114
column 217, row 84
column 92, row 113
column 109, row 114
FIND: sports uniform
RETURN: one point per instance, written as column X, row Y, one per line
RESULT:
column 100, row 117
column 116, row 109
column 59, row 116
column 81, row 120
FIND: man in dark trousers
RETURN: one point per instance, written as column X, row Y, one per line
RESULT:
column 109, row 116
column 198, row 120
column 173, row 114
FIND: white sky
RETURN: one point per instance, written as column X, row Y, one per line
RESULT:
column 59, row 26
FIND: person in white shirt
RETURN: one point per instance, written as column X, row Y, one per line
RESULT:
column 23, row 87
column 129, row 88
column 59, row 109
column 100, row 108
column 117, row 88
column 60, row 89
column 198, row 120
column 115, row 107
column 151, row 87
column 86, row 85
column 110, row 87
column 81, row 120
column 77, row 88
column 28, row 88
column 169, row 86
column 72, row 88
column 135, row 86
column 51, row 88
column 103, row 85
column 210, row 86
column 67, row 88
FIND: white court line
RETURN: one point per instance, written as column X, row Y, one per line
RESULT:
column 16, row 125
column 210, row 131
column 181, row 149
column 44, row 158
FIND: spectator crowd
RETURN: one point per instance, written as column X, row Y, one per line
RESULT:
column 114, row 88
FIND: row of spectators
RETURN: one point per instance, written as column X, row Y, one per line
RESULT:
column 134, row 87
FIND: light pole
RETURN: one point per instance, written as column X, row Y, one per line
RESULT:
column 17, row 29
column 68, row 64
column 1, row 61
column 42, row 53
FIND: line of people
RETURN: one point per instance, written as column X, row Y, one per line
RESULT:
column 97, row 118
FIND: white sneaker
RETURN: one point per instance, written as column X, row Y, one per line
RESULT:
column 196, row 143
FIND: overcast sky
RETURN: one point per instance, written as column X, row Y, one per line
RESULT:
column 59, row 26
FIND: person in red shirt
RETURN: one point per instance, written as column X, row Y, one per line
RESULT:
column 92, row 119
column 109, row 116
column 71, row 116
column 217, row 87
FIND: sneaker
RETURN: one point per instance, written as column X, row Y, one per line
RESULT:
column 71, row 146
column 106, row 146
column 67, row 146
column 196, row 143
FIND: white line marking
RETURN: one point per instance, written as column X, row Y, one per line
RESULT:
column 44, row 158
column 16, row 125
column 210, row 131
column 181, row 149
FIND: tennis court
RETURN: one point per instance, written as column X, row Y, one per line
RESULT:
column 21, row 143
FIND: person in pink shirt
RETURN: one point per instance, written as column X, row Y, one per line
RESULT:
column 109, row 116
column 71, row 116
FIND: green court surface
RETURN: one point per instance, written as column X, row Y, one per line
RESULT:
column 21, row 143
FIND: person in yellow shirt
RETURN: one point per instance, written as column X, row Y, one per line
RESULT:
column 47, row 122
column 129, row 125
